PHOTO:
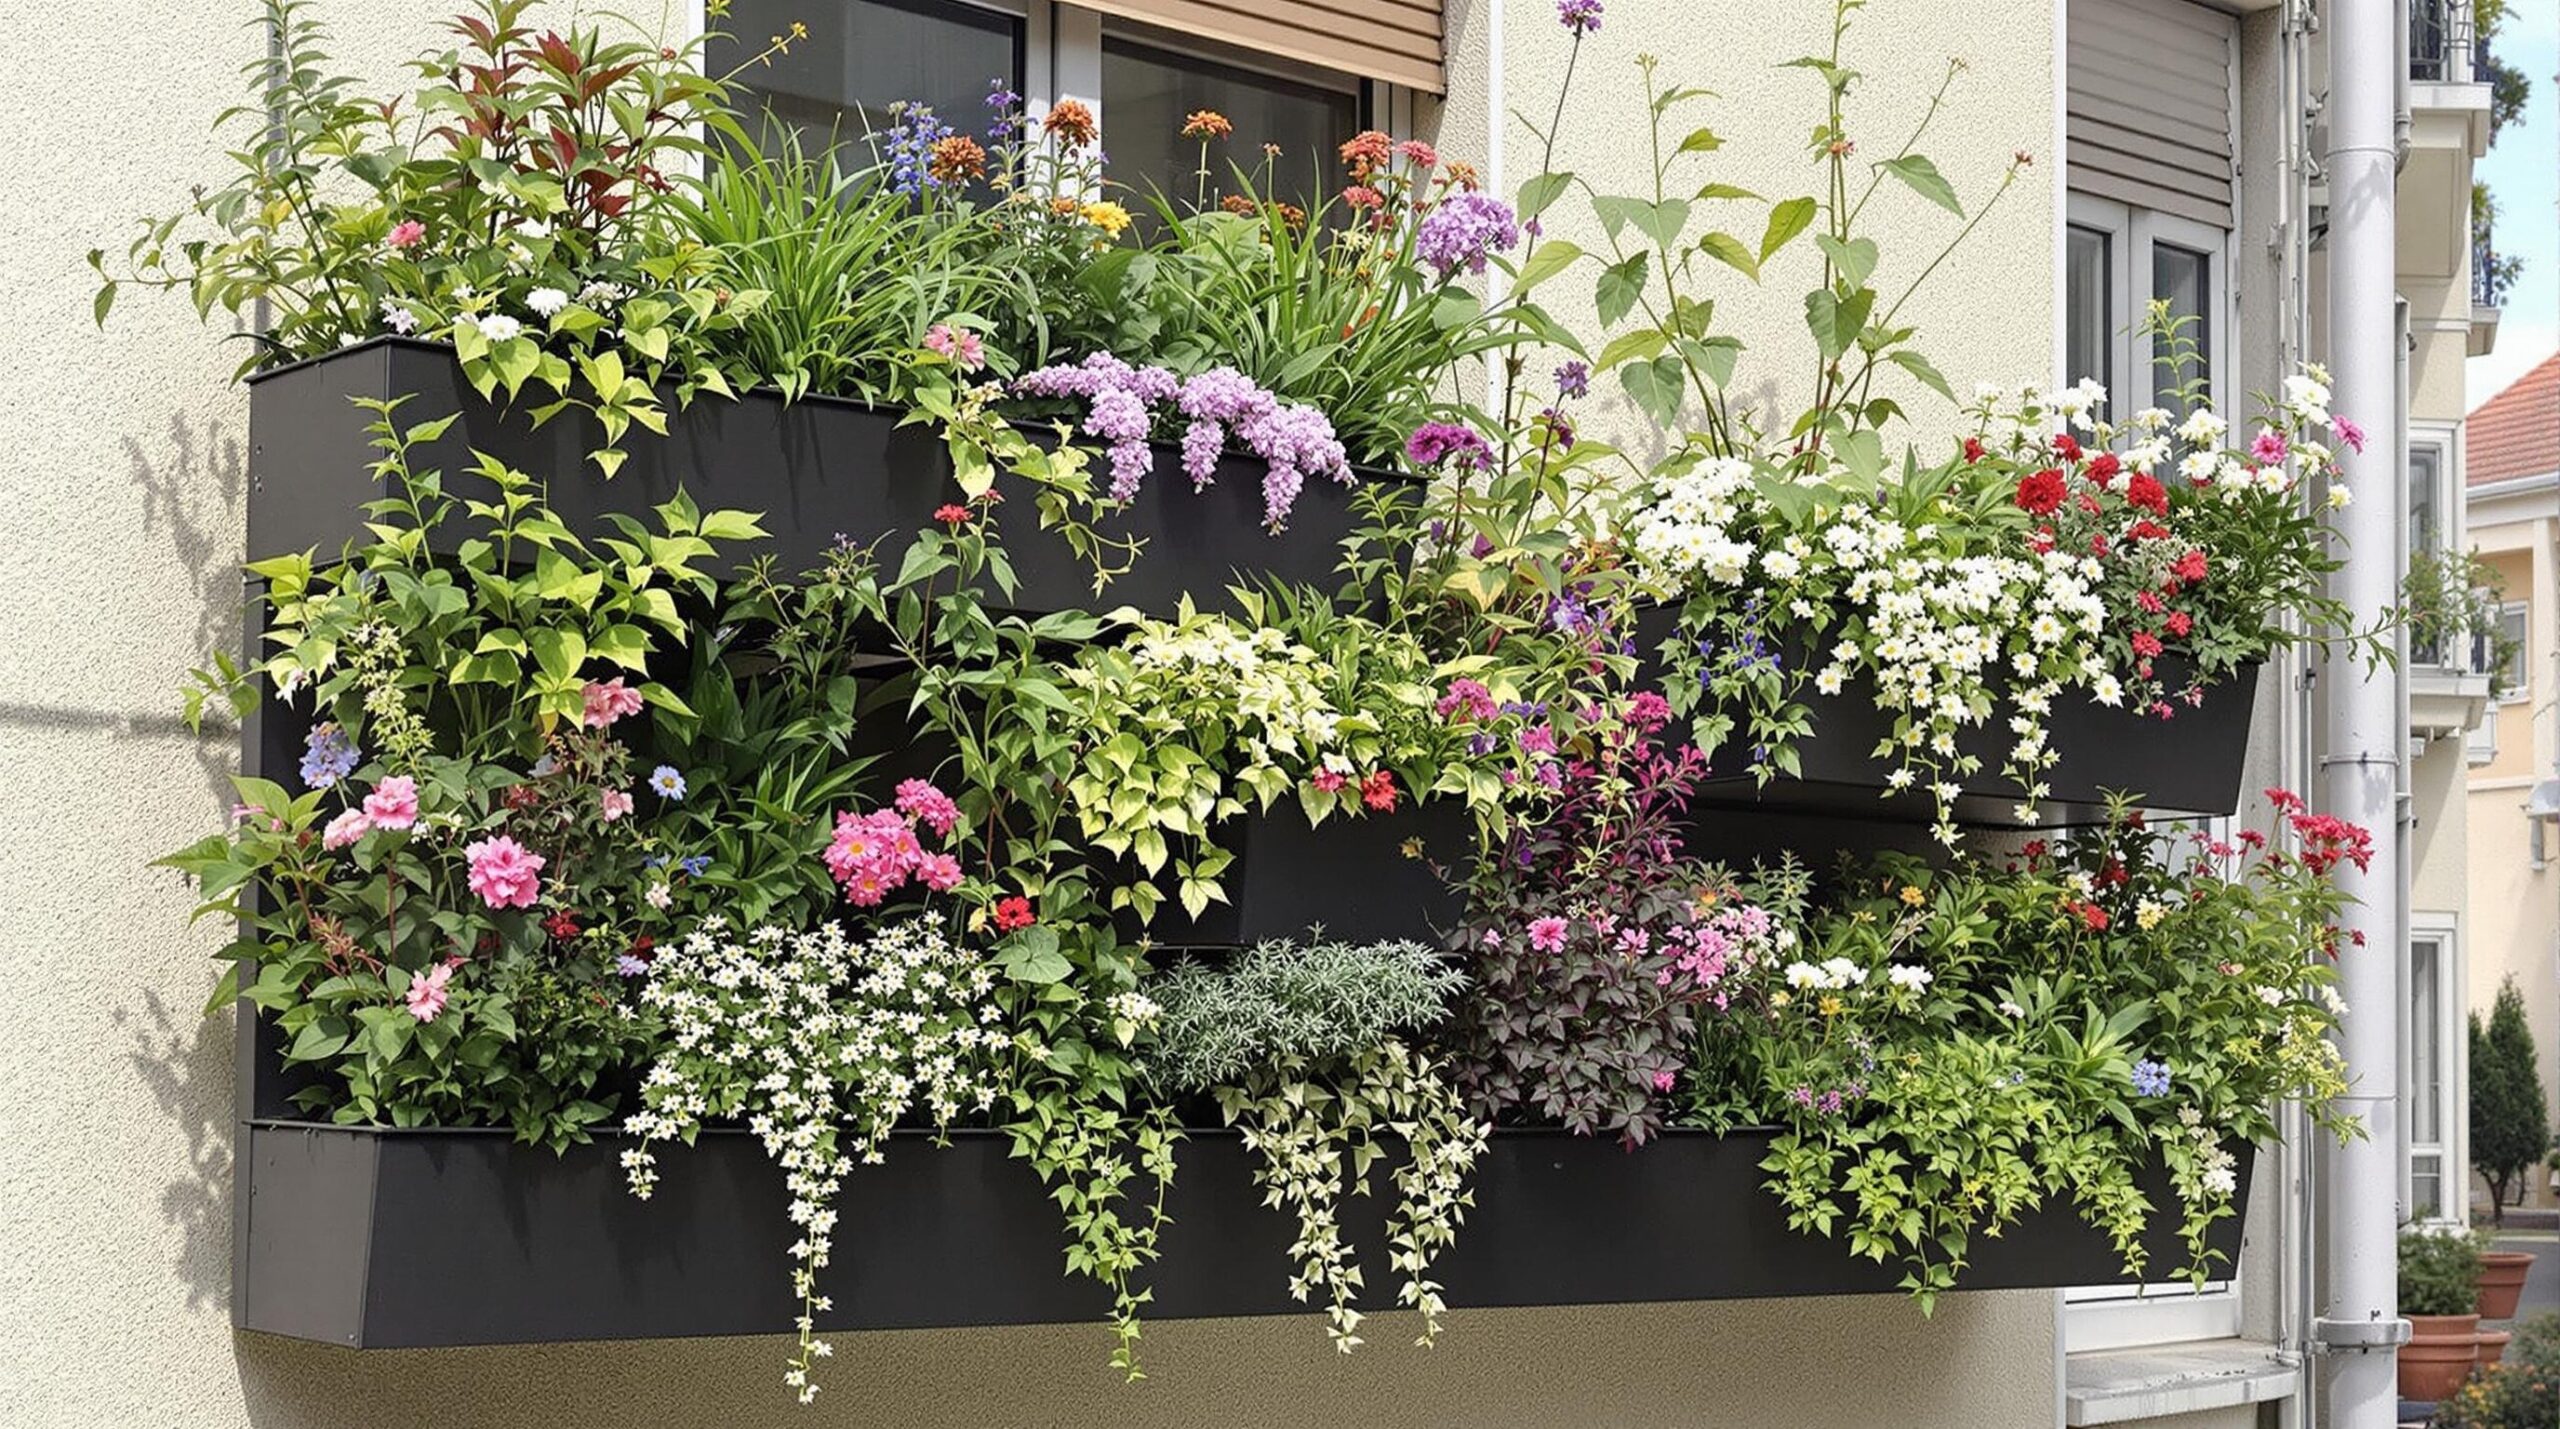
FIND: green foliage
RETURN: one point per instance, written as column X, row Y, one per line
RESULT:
column 2449, row 600
column 1322, row 1003
column 2439, row 1271
column 2510, row 1124
column 2521, row 1391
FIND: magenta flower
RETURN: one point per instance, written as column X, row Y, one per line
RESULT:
column 608, row 702
column 939, row 872
column 2345, row 430
column 1547, row 934
column 428, row 993
column 393, row 804
column 1663, row 1079
column 1435, row 442
column 345, row 829
column 921, row 801
column 1573, row 379
column 2269, row 449
column 1580, row 16
column 503, row 872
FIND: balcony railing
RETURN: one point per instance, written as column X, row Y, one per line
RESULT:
column 2488, row 280
column 2444, row 43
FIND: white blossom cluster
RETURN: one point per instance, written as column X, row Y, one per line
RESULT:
column 823, row 1044
column 1275, row 683
column 1694, row 529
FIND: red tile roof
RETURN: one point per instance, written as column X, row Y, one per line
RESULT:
column 2517, row 432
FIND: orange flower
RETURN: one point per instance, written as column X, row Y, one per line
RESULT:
column 957, row 160
column 1071, row 123
column 1460, row 174
column 1238, row 205
column 1366, row 152
column 1206, row 124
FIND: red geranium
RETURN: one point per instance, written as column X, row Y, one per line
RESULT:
column 1378, row 791
column 2042, row 492
column 2066, row 446
column 2146, row 492
column 2180, row 622
column 2146, row 644
column 1973, row 449
column 2190, row 567
column 1014, row 913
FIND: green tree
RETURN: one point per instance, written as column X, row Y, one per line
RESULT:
column 2509, row 1126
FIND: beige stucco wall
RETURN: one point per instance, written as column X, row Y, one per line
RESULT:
column 121, row 465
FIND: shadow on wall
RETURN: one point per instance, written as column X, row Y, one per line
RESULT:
column 185, row 1059
column 195, row 503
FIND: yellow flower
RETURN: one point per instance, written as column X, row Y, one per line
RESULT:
column 1780, row 999
column 1413, row 848
column 1830, row 1005
column 2147, row 914
column 1912, row 896
column 1110, row 217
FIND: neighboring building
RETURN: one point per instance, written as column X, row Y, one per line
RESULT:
column 2512, row 497
column 2172, row 141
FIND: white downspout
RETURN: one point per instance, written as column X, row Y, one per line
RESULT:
column 2360, row 764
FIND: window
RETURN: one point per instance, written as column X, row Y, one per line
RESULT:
column 861, row 56
column 2514, row 626
column 2433, row 1166
column 2118, row 261
column 1147, row 91
column 2426, row 500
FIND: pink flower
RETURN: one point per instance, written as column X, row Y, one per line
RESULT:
column 393, row 804
column 345, row 829
column 962, row 346
column 1327, row 781
column 503, row 872
column 919, row 800
column 427, row 992
column 615, row 803
column 2348, row 432
column 1662, row 1080
column 405, row 234
column 2269, row 449
column 1547, row 934
column 939, row 872
column 608, row 702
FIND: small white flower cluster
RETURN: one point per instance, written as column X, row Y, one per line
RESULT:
column 1687, row 532
column 1831, row 974
column 822, row 1043
column 2217, row 1172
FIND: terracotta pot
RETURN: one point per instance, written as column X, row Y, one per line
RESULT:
column 2439, row 1356
column 2493, row 1346
column 2501, row 1282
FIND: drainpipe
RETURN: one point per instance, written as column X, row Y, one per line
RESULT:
column 2359, row 767
column 2401, row 120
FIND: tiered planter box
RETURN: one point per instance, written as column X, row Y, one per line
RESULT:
column 2190, row 764
column 815, row 470
column 1353, row 879
column 420, row 1238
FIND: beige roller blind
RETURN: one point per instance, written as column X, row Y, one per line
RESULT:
column 2150, row 105
column 1393, row 40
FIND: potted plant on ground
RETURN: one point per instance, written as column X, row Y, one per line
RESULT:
column 2438, row 1268
column 2523, row 1395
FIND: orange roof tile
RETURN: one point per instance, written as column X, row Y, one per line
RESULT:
column 2517, row 432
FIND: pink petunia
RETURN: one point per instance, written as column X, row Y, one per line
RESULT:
column 504, row 873
column 608, row 702
column 428, row 992
column 1547, row 934
column 406, row 233
column 393, row 804
column 345, row 829
column 614, row 803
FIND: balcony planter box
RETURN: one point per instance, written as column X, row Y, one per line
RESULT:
column 2187, row 765
column 382, row 1238
column 814, row 469
column 1351, row 877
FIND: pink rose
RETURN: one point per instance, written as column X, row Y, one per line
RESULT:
column 608, row 702
column 345, row 829
column 504, row 873
column 405, row 234
column 427, row 992
column 616, row 803
column 393, row 804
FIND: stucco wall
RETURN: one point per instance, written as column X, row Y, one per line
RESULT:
column 121, row 462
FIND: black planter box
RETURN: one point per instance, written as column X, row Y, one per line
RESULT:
column 2190, row 764
column 383, row 1238
column 814, row 470
column 1374, row 878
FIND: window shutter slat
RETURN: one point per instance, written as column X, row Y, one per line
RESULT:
column 2149, row 119
column 1398, row 41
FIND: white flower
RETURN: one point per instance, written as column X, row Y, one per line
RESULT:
column 498, row 327
column 2108, row 690
column 660, row 896
column 2271, row 996
column 398, row 318
column 2308, row 397
column 1840, row 972
column 2202, row 428
column 2009, row 1008
column 1803, row 975
column 544, row 302
column 1911, row 978
column 2340, row 498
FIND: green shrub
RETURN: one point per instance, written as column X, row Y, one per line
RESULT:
column 2439, row 1271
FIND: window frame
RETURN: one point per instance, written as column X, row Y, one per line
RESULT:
column 2132, row 233
column 2451, row 1147
column 2519, row 688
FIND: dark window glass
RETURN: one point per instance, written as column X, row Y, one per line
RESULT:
column 2182, row 278
column 2089, row 325
column 860, row 57
column 2426, row 532
column 1148, row 92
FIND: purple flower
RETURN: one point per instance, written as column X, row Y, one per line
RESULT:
column 1580, row 16
column 1574, row 379
column 1464, row 229
column 2346, row 430
column 2150, row 1078
column 628, row 965
column 328, row 755
column 1559, row 428
column 1435, row 442
column 909, row 142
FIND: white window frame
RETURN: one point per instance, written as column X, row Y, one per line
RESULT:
column 2438, row 437
column 2520, row 689
column 2131, row 235
column 2452, row 1146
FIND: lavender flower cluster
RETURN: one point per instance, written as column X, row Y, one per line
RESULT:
column 1296, row 440
column 909, row 141
column 1463, row 230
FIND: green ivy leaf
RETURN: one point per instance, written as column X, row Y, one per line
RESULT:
column 1621, row 286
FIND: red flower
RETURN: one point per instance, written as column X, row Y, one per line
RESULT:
column 2190, row 567
column 2042, row 492
column 2147, row 529
column 520, row 796
column 2180, row 622
column 2090, row 914
column 2066, row 446
column 2146, row 492
column 1973, row 449
column 2033, row 848
column 2151, row 602
column 1378, row 791
column 561, row 925
column 951, row 514
column 2097, row 545
column 1014, row 913
column 1327, row 781
column 2104, row 466
column 2145, row 644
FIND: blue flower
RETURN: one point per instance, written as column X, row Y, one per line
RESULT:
column 694, row 865
column 328, row 755
column 2151, row 1078
column 667, row 783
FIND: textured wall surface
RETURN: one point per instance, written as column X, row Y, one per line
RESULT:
column 121, row 465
